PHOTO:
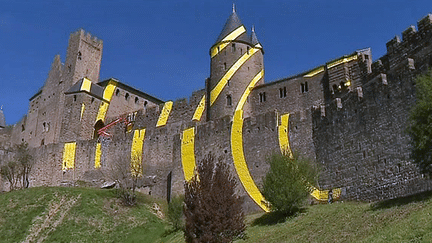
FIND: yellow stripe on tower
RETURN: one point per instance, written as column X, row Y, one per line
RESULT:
column 223, row 43
column 283, row 129
column 188, row 153
column 240, row 162
column 69, row 156
column 249, row 88
column 107, row 95
column 199, row 110
column 86, row 84
column 214, row 94
column 98, row 154
column 163, row 117
column 82, row 110
column 137, row 152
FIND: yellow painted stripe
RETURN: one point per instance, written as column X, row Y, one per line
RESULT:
column 199, row 110
column 107, row 95
column 249, row 88
column 163, row 117
column 98, row 154
column 240, row 162
column 214, row 94
column 284, row 135
column 69, row 156
column 232, row 36
column 342, row 60
column 86, row 84
column 82, row 110
column 137, row 152
column 188, row 153
column 314, row 72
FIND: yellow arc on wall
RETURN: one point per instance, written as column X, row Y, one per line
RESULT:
column 107, row 95
column 163, row 117
column 69, row 156
column 137, row 152
column 249, row 88
column 283, row 133
column 98, row 154
column 199, row 110
column 214, row 94
column 240, row 162
column 225, row 41
column 188, row 153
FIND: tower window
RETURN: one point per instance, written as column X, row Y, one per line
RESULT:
column 228, row 82
column 117, row 92
column 127, row 96
column 225, row 66
column 233, row 47
column 74, row 97
column 229, row 100
column 79, row 55
column 145, row 103
column 247, row 50
column 262, row 97
column 282, row 92
column 136, row 100
column 304, row 87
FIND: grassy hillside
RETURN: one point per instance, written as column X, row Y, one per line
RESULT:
column 93, row 215
column 76, row 215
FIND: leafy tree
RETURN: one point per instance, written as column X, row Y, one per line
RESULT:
column 286, row 185
column 212, row 210
column 10, row 172
column 420, row 128
column 18, row 169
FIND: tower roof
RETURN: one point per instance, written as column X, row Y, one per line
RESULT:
column 2, row 118
column 233, row 22
column 254, row 38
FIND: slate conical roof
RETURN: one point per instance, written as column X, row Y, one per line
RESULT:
column 232, row 23
column 2, row 119
column 254, row 38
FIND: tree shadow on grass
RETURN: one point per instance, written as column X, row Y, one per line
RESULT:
column 400, row 201
column 273, row 218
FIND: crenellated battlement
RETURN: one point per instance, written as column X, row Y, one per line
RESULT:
column 87, row 37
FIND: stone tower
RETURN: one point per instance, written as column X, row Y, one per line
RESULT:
column 236, row 59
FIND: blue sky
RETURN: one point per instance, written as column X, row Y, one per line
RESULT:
column 162, row 47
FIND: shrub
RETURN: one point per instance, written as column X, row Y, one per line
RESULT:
column 287, row 184
column 175, row 212
column 213, row 211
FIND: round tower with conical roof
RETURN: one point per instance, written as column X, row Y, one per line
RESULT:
column 236, row 59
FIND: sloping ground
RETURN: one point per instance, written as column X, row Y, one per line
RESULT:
column 77, row 215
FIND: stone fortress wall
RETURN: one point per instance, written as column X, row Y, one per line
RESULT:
column 349, row 115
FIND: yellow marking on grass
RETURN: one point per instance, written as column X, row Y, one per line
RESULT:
column 223, row 43
column 163, row 117
column 214, row 94
column 199, row 110
column 240, row 162
column 137, row 152
column 283, row 132
column 98, row 154
column 322, row 195
column 69, row 156
column 188, row 153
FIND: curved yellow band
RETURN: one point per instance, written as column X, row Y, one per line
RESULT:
column 137, row 152
column 188, row 153
column 232, row 36
column 163, row 117
column 283, row 129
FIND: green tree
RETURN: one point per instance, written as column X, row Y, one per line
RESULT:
column 287, row 184
column 19, row 168
column 420, row 126
column 212, row 210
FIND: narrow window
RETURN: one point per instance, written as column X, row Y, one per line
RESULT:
column 44, row 127
column 22, row 128
column 92, row 100
column 247, row 50
column 264, row 95
column 284, row 92
column 43, row 142
column 228, row 83
column 127, row 96
column 79, row 55
column 136, row 100
column 117, row 92
column 261, row 97
column 306, row 87
column 145, row 104
column 302, row 87
column 74, row 97
column 241, row 51
column 225, row 66
column 229, row 100
column 218, row 48
column 233, row 47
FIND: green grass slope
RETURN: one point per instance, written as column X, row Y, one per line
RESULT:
column 77, row 215
column 94, row 215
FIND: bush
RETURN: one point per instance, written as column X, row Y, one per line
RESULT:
column 287, row 184
column 213, row 211
column 175, row 212
column 420, row 128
